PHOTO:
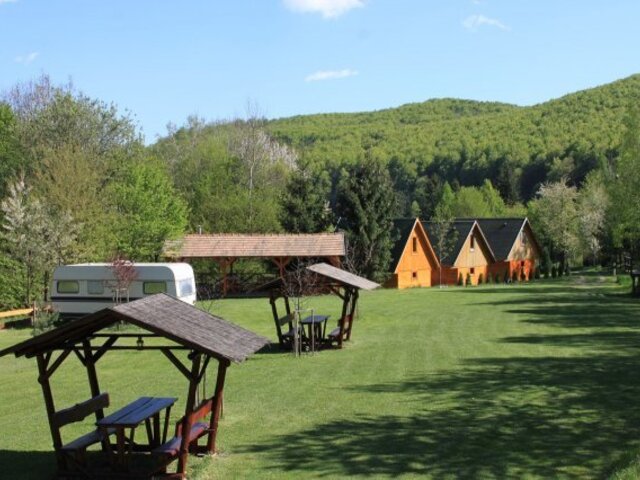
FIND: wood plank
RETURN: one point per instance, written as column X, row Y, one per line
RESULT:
column 21, row 312
column 80, row 411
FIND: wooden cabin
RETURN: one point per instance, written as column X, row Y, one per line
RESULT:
column 514, row 244
column 412, row 258
column 470, row 254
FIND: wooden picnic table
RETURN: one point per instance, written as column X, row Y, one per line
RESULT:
column 316, row 329
column 144, row 409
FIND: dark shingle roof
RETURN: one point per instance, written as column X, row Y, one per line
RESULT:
column 402, row 228
column 163, row 315
column 462, row 227
column 501, row 233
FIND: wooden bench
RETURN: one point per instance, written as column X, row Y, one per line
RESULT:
column 341, row 332
column 170, row 450
column 75, row 450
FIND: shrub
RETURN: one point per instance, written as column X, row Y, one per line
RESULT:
column 554, row 271
column 514, row 276
column 468, row 280
column 460, row 280
column 567, row 269
column 488, row 279
column 536, row 274
column 523, row 275
column 497, row 278
column 480, row 279
column 560, row 269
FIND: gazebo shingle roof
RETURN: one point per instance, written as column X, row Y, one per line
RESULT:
column 163, row 315
column 221, row 245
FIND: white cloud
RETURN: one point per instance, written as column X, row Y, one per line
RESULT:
column 328, row 8
column 330, row 75
column 7, row 1
column 27, row 59
column 474, row 22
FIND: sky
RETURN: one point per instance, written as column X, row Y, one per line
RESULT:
column 163, row 60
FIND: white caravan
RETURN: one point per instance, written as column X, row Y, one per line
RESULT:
column 78, row 290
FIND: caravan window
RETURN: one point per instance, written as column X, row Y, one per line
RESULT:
column 149, row 288
column 68, row 286
column 95, row 287
column 185, row 288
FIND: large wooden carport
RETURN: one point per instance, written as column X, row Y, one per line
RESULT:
column 342, row 283
column 226, row 248
column 186, row 328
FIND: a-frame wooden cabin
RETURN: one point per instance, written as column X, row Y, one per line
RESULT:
column 514, row 244
column 470, row 256
column 412, row 258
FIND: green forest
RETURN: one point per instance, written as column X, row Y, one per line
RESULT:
column 78, row 182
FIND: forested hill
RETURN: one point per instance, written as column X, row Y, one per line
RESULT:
column 517, row 148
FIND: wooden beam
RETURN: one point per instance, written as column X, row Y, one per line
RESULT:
column 107, row 345
column 217, row 407
column 188, row 417
column 48, row 372
column 179, row 365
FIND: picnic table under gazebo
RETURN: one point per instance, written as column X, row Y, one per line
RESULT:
column 168, row 326
column 319, row 277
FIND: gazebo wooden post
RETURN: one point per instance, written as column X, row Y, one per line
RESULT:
column 344, row 317
column 43, row 379
column 217, row 406
column 188, row 412
column 352, row 311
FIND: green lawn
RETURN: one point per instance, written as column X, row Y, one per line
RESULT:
column 535, row 381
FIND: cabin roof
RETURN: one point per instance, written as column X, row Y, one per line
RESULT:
column 161, row 314
column 402, row 229
column 463, row 228
column 221, row 245
column 502, row 233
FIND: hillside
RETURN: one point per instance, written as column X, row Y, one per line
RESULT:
column 515, row 147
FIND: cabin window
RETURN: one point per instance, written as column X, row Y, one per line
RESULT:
column 150, row 288
column 522, row 263
column 414, row 275
column 185, row 288
column 472, row 241
column 68, row 286
column 95, row 287
column 415, row 245
column 472, row 271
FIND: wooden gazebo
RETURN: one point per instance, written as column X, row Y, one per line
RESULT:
column 322, row 278
column 184, row 328
column 226, row 248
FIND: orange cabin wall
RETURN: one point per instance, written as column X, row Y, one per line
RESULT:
column 419, row 262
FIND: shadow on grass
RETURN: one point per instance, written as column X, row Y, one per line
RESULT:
column 23, row 465
column 544, row 417
column 497, row 418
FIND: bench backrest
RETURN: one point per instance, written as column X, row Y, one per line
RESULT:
column 80, row 411
column 199, row 413
column 286, row 320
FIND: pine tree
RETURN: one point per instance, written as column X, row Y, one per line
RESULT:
column 365, row 208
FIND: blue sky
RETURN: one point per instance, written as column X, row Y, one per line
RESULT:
column 163, row 60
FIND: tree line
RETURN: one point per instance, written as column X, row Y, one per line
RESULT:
column 77, row 182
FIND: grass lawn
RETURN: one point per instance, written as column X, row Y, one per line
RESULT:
column 534, row 381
